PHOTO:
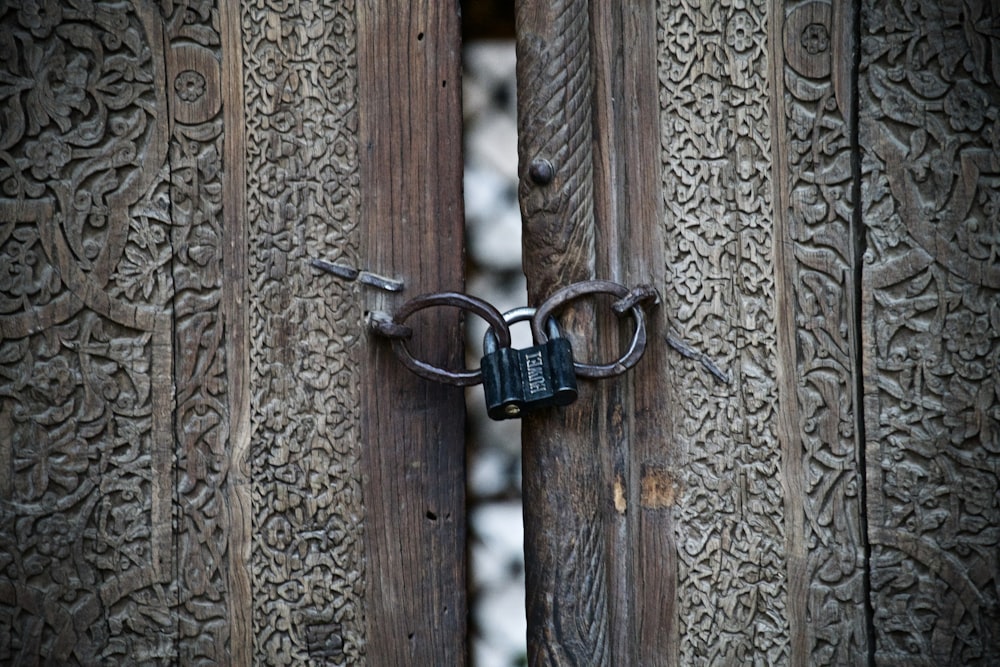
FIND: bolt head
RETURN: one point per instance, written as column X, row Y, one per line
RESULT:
column 541, row 171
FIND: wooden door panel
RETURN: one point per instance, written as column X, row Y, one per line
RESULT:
column 930, row 165
column 825, row 176
column 732, row 520
column 413, row 431
column 206, row 458
column 820, row 264
column 114, row 408
column 186, row 474
column 305, row 550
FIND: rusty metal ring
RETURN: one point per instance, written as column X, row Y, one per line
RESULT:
column 564, row 296
column 463, row 378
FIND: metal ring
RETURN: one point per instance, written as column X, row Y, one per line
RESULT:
column 572, row 292
column 463, row 378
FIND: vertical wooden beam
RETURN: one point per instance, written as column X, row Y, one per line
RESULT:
column 729, row 515
column 409, row 111
column 307, row 555
column 639, row 461
column 929, row 124
column 813, row 47
column 564, row 508
column 235, row 314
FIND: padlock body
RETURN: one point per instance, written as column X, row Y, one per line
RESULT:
column 561, row 371
column 547, row 375
column 517, row 381
column 502, row 383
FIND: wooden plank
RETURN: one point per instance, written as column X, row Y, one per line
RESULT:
column 96, row 392
column 235, row 313
column 199, row 455
column 564, row 510
column 930, row 103
column 628, row 211
column 307, row 555
column 181, row 421
column 413, row 459
column 717, row 185
column 817, row 268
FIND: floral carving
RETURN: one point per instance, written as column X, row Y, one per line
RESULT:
column 48, row 156
column 716, row 189
column 111, row 342
column 740, row 31
column 816, row 221
column 79, row 106
column 303, row 187
column 966, row 105
column 78, row 406
column 40, row 17
column 816, row 38
column 929, row 117
column 190, row 85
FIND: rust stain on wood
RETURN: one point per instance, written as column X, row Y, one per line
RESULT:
column 659, row 488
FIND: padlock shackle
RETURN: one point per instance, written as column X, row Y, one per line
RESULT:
column 552, row 328
column 513, row 316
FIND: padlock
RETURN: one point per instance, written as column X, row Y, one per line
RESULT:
column 518, row 381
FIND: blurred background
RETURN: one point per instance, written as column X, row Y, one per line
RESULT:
column 493, row 241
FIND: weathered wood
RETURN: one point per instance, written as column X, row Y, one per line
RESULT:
column 205, row 457
column 731, row 595
column 564, row 519
column 115, row 408
column 817, row 287
column 829, row 240
column 409, row 113
column 302, row 161
column 930, row 163
column 181, row 473
column 638, row 486
column 236, row 317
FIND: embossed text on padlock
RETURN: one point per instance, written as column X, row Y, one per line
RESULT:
column 517, row 381
column 561, row 374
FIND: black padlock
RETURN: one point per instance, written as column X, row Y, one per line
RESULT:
column 517, row 381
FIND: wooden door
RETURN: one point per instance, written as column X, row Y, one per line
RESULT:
column 204, row 458
column 813, row 187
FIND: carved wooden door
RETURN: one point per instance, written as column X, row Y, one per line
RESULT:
column 206, row 459
column 203, row 459
column 814, row 187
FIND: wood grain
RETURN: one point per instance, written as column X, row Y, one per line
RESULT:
column 182, row 476
column 717, row 187
column 564, row 519
column 307, row 555
column 115, row 416
column 629, row 233
column 413, row 465
column 817, row 287
column 206, row 458
column 236, row 316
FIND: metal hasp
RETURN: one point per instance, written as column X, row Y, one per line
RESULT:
column 518, row 381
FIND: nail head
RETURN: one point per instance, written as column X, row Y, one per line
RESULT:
column 541, row 171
